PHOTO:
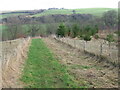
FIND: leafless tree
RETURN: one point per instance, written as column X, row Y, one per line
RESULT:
column 34, row 27
column 13, row 27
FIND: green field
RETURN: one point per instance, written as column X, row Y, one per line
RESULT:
column 43, row 70
column 11, row 14
column 2, row 27
column 93, row 11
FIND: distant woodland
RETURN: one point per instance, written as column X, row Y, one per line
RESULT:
column 73, row 25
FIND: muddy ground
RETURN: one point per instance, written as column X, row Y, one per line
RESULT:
column 86, row 70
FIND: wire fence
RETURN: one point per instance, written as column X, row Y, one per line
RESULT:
column 98, row 47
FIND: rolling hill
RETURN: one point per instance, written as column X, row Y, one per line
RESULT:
column 94, row 11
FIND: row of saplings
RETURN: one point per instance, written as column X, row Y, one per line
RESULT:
column 85, row 33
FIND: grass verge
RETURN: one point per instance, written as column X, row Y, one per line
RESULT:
column 43, row 70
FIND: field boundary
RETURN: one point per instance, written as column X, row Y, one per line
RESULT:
column 11, row 68
column 99, row 58
column 18, row 52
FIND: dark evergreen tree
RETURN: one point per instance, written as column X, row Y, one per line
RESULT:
column 61, row 31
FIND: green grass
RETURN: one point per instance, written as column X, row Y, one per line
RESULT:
column 93, row 11
column 2, row 27
column 43, row 70
column 84, row 67
column 80, row 67
column 50, row 12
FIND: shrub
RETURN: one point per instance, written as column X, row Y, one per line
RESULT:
column 75, row 30
column 61, row 31
column 118, row 32
column 96, row 36
column 87, row 37
column 81, row 36
column 110, row 38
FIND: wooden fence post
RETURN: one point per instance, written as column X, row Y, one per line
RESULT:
column 74, row 43
column 109, row 49
column 101, row 49
column 67, row 40
column 84, row 45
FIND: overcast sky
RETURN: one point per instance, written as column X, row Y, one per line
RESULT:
column 6, row 5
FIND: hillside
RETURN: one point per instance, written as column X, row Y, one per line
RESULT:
column 43, row 12
column 93, row 11
column 11, row 14
column 60, row 48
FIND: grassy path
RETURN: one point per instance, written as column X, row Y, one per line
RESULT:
column 43, row 70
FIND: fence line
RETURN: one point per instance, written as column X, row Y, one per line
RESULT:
column 98, row 47
column 16, row 53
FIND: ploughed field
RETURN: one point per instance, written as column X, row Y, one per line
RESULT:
column 53, row 64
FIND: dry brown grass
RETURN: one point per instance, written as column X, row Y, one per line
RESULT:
column 87, row 70
column 94, row 46
column 14, row 53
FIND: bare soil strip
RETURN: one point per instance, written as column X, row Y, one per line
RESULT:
column 83, row 67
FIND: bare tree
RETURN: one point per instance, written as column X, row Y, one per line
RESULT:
column 34, row 27
column 13, row 27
